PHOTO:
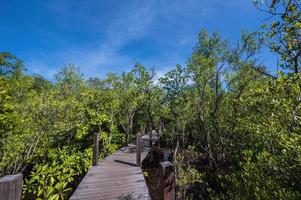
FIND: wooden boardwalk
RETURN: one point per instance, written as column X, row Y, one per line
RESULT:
column 116, row 177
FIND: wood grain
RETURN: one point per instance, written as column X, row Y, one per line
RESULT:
column 116, row 176
column 11, row 187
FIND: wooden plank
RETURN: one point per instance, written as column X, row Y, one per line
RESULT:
column 117, row 176
column 11, row 187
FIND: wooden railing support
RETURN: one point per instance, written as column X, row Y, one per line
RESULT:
column 167, row 181
column 11, row 187
column 95, row 149
column 138, row 150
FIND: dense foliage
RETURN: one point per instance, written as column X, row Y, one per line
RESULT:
column 46, row 127
column 233, row 126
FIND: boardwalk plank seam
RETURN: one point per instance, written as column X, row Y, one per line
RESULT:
column 116, row 176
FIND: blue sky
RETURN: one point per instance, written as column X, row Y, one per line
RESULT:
column 101, row 36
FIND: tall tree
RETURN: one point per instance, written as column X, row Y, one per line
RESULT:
column 284, row 32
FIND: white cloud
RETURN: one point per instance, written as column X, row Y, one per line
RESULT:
column 134, row 21
column 129, row 25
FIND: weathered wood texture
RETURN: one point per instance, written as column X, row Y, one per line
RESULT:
column 11, row 187
column 95, row 149
column 138, row 150
column 167, row 181
column 116, row 177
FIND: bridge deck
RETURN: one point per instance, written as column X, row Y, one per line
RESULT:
column 116, row 177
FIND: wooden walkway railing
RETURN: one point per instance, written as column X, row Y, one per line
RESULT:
column 117, row 176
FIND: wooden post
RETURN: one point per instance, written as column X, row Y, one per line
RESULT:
column 11, row 187
column 167, row 181
column 138, row 150
column 95, row 149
